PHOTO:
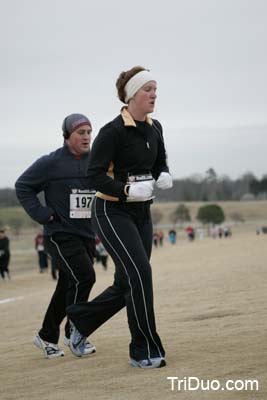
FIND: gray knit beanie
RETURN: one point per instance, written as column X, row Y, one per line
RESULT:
column 72, row 122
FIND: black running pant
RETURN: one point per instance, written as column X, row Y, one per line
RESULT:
column 43, row 260
column 4, row 262
column 126, row 232
column 74, row 257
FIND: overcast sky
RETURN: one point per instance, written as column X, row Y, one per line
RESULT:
column 208, row 56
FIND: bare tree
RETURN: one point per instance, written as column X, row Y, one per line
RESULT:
column 180, row 215
column 237, row 217
column 16, row 224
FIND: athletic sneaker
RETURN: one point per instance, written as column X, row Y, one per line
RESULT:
column 51, row 350
column 158, row 362
column 66, row 341
column 89, row 347
column 79, row 344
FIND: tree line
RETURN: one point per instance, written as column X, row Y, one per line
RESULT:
column 259, row 187
column 207, row 187
column 210, row 214
column 212, row 187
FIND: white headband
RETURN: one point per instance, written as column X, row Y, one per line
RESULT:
column 136, row 82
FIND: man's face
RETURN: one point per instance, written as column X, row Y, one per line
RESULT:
column 79, row 141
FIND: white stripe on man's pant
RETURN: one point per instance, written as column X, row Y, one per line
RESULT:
column 68, row 266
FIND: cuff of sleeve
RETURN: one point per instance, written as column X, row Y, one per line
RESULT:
column 126, row 190
column 123, row 195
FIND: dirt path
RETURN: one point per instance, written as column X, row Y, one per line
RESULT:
column 210, row 300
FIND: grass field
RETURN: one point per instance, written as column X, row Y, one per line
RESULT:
column 210, row 301
column 253, row 212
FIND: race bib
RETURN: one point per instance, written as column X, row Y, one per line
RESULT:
column 81, row 202
column 139, row 178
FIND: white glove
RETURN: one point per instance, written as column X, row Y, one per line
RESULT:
column 141, row 190
column 164, row 181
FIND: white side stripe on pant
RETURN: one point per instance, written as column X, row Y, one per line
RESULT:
column 141, row 283
column 68, row 266
column 135, row 313
column 140, row 279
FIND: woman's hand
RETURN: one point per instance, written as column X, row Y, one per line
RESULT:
column 164, row 181
column 141, row 190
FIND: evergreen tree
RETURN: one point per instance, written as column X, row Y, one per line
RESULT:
column 211, row 214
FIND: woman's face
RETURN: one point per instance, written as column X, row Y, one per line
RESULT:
column 145, row 98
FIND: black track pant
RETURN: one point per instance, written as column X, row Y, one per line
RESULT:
column 4, row 262
column 74, row 257
column 43, row 260
column 126, row 232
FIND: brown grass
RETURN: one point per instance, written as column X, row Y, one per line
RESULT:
column 210, row 300
column 251, row 211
